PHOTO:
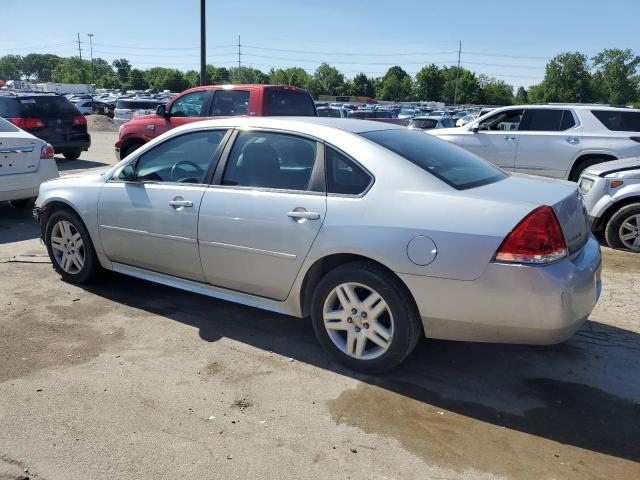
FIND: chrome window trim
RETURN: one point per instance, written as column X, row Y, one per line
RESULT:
column 265, row 189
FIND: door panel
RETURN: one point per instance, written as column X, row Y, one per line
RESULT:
column 248, row 242
column 548, row 153
column 497, row 147
column 139, row 227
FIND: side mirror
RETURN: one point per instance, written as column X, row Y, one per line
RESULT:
column 475, row 127
column 162, row 111
column 128, row 173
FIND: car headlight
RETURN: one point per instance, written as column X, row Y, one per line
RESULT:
column 585, row 185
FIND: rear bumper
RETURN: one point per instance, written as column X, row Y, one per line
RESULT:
column 26, row 185
column 537, row 305
column 83, row 143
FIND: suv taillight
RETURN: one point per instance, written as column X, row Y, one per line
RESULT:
column 538, row 239
column 79, row 120
column 47, row 152
column 27, row 123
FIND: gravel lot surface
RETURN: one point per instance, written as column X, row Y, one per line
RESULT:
column 127, row 379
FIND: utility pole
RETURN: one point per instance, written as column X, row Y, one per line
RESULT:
column 80, row 53
column 203, row 44
column 239, row 54
column 90, row 35
column 455, row 95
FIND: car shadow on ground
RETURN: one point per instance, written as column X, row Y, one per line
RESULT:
column 585, row 392
column 80, row 164
column 16, row 224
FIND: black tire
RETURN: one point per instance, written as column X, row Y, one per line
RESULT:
column 582, row 166
column 73, row 155
column 91, row 269
column 24, row 202
column 407, row 328
column 130, row 149
column 612, row 229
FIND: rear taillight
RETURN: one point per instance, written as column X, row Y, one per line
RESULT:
column 79, row 120
column 635, row 139
column 538, row 239
column 47, row 152
column 28, row 123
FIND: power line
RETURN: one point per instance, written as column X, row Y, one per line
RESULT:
column 164, row 48
column 359, row 54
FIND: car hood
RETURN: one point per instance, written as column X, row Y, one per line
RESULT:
column 76, row 179
column 603, row 169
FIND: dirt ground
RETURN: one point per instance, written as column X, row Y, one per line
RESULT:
column 127, row 379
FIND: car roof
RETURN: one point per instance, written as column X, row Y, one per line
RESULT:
column 575, row 106
column 295, row 123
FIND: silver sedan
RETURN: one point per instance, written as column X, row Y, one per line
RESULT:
column 380, row 234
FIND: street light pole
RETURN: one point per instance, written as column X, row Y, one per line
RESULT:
column 203, row 45
column 90, row 35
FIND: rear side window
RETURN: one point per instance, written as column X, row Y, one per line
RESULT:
column 547, row 120
column 289, row 102
column 619, row 121
column 230, row 103
column 43, row 107
column 453, row 165
column 343, row 175
column 9, row 108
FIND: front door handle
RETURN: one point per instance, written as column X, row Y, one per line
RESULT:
column 509, row 137
column 299, row 215
column 179, row 202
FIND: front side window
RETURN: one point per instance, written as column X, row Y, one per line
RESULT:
column 189, row 105
column 343, row 175
column 618, row 120
column 270, row 160
column 453, row 165
column 183, row 159
column 507, row 120
column 230, row 103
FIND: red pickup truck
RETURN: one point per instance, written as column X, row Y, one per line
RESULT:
column 214, row 101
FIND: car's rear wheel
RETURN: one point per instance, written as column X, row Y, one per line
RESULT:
column 583, row 165
column 623, row 229
column 70, row 248
column 365, row 318
column 73, row 155
column 24, row 202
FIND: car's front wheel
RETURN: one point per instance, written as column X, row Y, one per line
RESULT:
column 365, row 318
column 70, row 248
column 623, row 229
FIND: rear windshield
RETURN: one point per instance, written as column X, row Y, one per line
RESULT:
column 43, row 107
column 289, row 102
column 137, row 104
column 453, row 165
column 426, row 123
column 619, row 121
column 9, row 107
column 329, row 112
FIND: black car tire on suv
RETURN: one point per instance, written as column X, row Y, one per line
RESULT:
column 73, row 155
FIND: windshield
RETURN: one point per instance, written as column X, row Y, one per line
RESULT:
column 453, row 165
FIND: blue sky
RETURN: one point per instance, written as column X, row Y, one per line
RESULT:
column 511, row 40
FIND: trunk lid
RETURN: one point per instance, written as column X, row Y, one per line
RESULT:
column 19, row 153
column 562, row 196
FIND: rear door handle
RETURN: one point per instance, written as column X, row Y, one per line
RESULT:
column 572, row 140
column 303, row 215
column 509, row 137
column 180, row 202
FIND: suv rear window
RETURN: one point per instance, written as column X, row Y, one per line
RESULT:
column 289, row 102
column 619, row 121
column 9, row 107
column 453, row 165
column 137, row 104
column 43, row 107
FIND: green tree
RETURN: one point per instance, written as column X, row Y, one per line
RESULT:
column 536, row 94
column 494, row 92
column 468, row 85
column 136, row 80
column 521, row 96
column 163, row 78
column 567, row 79
column 247, row 75
column 122, row 67
column 429, row 83
column 71, row 70
column 362, row 86
column 217, row 75
column 327, row 80
column 296, row 76
column 615, row 74
column 109, row 81
column 39, row 67
column 397, row 72
column 10, row 67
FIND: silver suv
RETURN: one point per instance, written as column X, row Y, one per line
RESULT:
column 557, row 141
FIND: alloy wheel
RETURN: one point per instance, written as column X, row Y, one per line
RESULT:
column 68, row 247
column 629, row 232
column 358, row 321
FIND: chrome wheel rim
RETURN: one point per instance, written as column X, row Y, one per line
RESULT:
column 67, row 247
column 358, row 321
column 629, row 232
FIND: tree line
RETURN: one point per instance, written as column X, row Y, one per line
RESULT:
column 611, row 77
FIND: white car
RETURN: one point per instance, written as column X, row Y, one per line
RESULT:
column 25, row 162
column 558, row 141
